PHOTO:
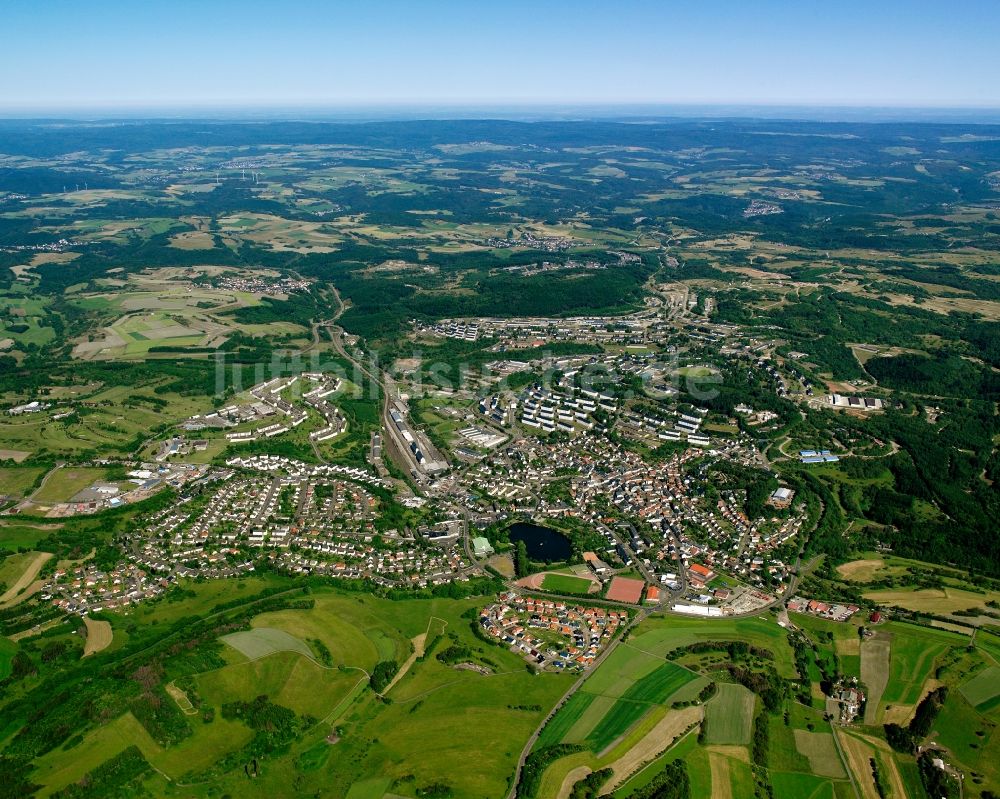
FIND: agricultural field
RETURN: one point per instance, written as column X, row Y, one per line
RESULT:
column 970, row 734
column 898, row 665
column 867, row 569
column 18, row 482
column 17, row 572
column 13, row 565
column 175, row 310
column 134, row 335
column 661, row 635
column 874, row 672
column 821, row 752
column 357, row 631
column 982, row 690
column 606, row 715
column 109, row 419
column 858, row 752
column 942, row 601
column 288, row 678
column 894, row 581
column 99, row 635
column 7, row 650
column 900, row 662
column 805, row 785
column 630, row 716
column 262, row 641
column 15, row 535
column 622, row 710
column 729, row 715
column 154, row 271
column 913, row 655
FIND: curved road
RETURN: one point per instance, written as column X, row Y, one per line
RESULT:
column 382, row 381
column 641, row 616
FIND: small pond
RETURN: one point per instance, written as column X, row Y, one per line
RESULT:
column 543, row 543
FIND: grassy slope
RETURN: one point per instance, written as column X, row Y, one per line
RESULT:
column 438, row 715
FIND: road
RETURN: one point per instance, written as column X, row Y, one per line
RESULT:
column 380, row 385
column 45, row 480
column 844, row 761
column 636, row 560
column 640, row 616
column 396, row 447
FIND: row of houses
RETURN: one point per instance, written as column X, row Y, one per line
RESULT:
column 550, row 633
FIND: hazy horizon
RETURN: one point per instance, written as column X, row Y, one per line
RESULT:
column 532, row 112
column 111, row 54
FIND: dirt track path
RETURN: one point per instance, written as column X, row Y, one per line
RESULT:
column 856, row 754
column 570, row 780
column 45, row 479
column 11, row 595
column 418, row 651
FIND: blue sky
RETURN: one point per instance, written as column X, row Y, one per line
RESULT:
column 146, row 53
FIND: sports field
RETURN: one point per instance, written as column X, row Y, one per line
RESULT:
column 625, row 589
column 566, row 584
